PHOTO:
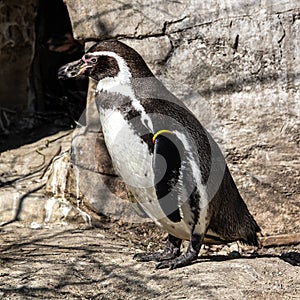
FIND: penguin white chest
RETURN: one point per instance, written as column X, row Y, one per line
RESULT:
column 129, row 154
column 133, row 162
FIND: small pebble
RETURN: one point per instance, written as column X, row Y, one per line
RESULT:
column 35, row 225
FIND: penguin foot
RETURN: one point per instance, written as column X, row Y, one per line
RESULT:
column 178, row 262
column 187, row 258
column 156, row 256
column 172, row 251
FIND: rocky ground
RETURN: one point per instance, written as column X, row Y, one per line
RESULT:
column 66, row 259
column 63, row 262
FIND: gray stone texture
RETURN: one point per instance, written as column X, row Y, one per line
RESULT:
column 235, row 64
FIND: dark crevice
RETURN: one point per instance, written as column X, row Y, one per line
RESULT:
column 60, row 102
column 236, row 42
column 168, row 23
column 296, row 17
column 54, row 47
column 282, row 37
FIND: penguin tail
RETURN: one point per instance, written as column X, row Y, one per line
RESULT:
column 251, row 237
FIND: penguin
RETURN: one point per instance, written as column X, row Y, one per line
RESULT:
column 169, row 162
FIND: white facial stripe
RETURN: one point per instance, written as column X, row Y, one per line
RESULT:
column 124, row 74
column 121, row 84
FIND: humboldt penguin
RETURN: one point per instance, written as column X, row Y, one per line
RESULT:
column 169, row 162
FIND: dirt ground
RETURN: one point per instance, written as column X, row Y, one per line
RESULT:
column 71, row 261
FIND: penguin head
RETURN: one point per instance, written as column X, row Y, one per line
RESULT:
column 107, row 59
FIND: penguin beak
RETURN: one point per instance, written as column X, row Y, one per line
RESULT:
column 72, row 69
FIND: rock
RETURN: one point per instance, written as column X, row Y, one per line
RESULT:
column 235, row 65
column 55, row 263
column 84, row 176
column 24, row 174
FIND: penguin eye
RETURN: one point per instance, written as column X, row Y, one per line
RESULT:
column 93, row 60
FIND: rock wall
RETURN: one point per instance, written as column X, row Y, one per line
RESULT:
column 16, row 51
column 222, row 53
column 236, row 65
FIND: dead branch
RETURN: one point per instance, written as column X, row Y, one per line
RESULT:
column 280, row 240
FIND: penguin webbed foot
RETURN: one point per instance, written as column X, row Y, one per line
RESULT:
column 155, row 256
column 171, row 251
column 178, row 262
column 186, row 259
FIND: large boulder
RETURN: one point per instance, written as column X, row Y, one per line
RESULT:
column 236, row 66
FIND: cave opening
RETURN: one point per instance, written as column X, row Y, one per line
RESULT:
column 37, row 104
column 54, row 47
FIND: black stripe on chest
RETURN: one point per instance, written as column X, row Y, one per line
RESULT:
column 123, row 104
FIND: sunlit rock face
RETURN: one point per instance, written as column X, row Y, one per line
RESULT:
column 235, row 65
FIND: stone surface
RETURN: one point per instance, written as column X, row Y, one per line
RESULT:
column 67, row 263
column 23, row 175
column 84, row 177
column 236, row 66
column 99, row 19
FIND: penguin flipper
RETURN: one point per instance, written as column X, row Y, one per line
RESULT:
column 166, row 166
